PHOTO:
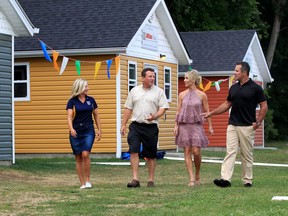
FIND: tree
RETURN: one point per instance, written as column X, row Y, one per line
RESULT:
column 278, row 90
column 279, row 14
column 209, row 15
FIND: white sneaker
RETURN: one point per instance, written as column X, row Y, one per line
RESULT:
column 83, row 186
column 88, row 185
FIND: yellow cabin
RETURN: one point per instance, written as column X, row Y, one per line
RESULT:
column 140, row 35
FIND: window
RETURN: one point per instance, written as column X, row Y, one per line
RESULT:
column 132, row 75
column 21, row 82
column 167, row 82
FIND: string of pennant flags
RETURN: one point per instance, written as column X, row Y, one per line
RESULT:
column 213, row 83
column 65, row 61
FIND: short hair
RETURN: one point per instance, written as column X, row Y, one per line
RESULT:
column 244, row 66
column 194, row 76
column 78, row 87
column 143, row 73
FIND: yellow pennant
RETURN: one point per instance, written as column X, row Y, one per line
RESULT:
column 201, row 86
column 97, row 67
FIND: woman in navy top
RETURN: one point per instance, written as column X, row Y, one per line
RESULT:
column 80, row 109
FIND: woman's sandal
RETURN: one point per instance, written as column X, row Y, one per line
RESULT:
column 191, row 184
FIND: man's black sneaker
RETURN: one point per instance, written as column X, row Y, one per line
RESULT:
column 222, row 183
column 133, row 184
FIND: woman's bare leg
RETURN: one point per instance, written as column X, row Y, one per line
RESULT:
column 189, row 164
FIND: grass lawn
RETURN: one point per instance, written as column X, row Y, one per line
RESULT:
column 51, row 187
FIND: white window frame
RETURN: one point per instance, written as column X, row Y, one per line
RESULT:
column 155, row 67
column 168, row 84
column 135, row 80
column 27, row 98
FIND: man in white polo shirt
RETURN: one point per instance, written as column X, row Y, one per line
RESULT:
column 146, row 103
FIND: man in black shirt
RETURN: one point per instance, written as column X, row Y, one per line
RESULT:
column 243, row 98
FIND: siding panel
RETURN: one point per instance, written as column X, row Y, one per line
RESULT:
column 259, row 134
column 6, row 142
column 41, row 123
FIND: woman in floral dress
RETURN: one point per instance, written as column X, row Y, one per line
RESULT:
column 189, row 130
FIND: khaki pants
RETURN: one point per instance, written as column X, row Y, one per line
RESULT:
column 243, row 137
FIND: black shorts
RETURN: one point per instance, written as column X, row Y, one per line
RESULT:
column 147, row 134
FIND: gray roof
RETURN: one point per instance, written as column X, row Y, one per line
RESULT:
column 73, row 24
column 216, row 50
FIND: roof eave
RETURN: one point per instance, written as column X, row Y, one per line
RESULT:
column 73, row 52
column 23, row 26
column 259, row 56
column 209, row 73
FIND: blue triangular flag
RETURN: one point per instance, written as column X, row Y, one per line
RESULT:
column 43, row 45
column 109, row 62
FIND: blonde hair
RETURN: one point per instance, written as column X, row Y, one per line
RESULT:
column 78, row 87
column 193, row 76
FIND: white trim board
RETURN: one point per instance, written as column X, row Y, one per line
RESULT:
column 117, row 163
column 280, row 198
column 237, row 162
